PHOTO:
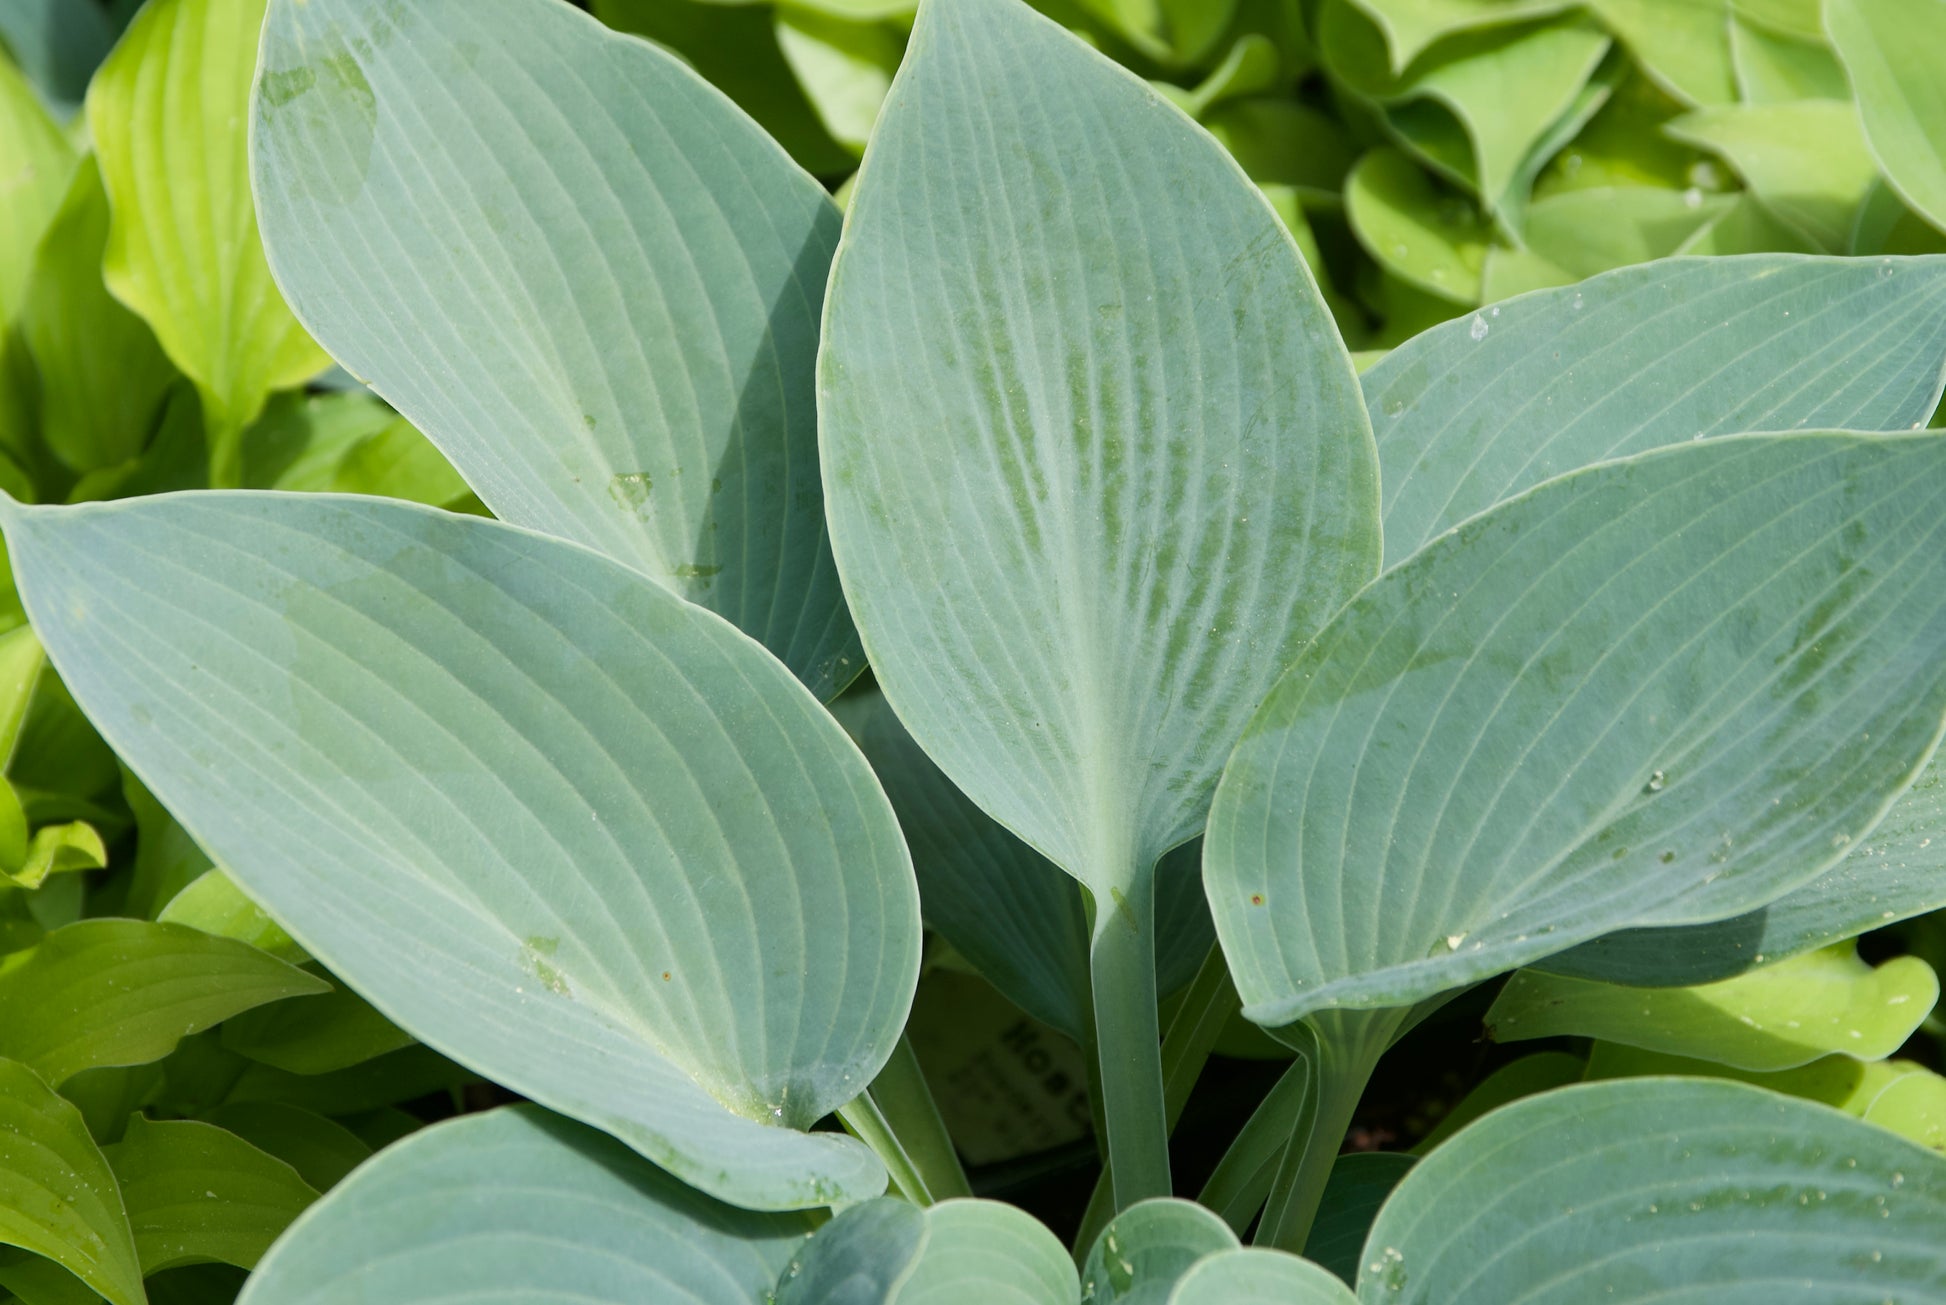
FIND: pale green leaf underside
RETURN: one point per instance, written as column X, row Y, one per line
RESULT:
column 1891, row 51
column 528, row 1209
column 1667, row 1191
column 1644, row 357
column 1779, row 1017
column 197, row 1193
column 58, row 1197
column 167, row 114
column 1002, row 905
column 961, row 1252
column 1895, row 872
column 1146, row 1249
column 1254, row 1276
column 1663, row 690
column 582, row 272
column 1094, row 455
column 538, row 810
column 123, row 992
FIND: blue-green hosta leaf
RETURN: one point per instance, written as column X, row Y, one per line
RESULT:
column 449, row 746
column 1896, row 871
column 196, row 1192
column 103, row 377
column 1146, row 1249
column 1002, row 905
column 1638, row 694
column 1651, row 1190
column 1890, row 50
column 955, row 1253
column 1255, row 1276
column 520, row 1205
column 1020, row 402
column 322, row 1151
column 124, row 992
column 1478, row 409
column 167, row 111
column 1805, row 160
column 35, row 161
column 58, row 1197
column 1779, row 1017
column 612, row 335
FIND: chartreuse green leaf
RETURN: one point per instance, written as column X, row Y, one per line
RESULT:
column 1890, row 51
column 1864, row 1089
column 58, row 1197
column 844, row 66
column 377, row 677
column 588, row 189
column 1254, row 1276
column 518, row 1204
column 963, row 1251
column 1063, row 327
column 1779, row 1017
column 1432, row 239
column 196, row 1192
column 1583, row 232
column 213, row 903
column 1637, row 694
column 1657, row 1189
column 1003, row 906
column 1806, row 160
column 103, row 376
column 1897, row 871
column 1412, row 25
column 1478, row 409
column 1772, row 68
column 35, row 162
column 1683, row 44
column 1146, row 1249
column 168, row 114
column 123, row 992
column 58, row 849
column 1503, row 87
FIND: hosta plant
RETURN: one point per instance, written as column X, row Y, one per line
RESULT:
column 1600, row 635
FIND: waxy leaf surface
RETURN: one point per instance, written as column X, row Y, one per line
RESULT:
column 961, row 1252
column 437, row 746
column 582, row 272
column 1662, row 1189
column 1480, row 408
column 1891, row 52
column 1254, row 1276
column 1662, row 690
column 520, row 1205
column 1094, row 456
column 1145, row 1251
